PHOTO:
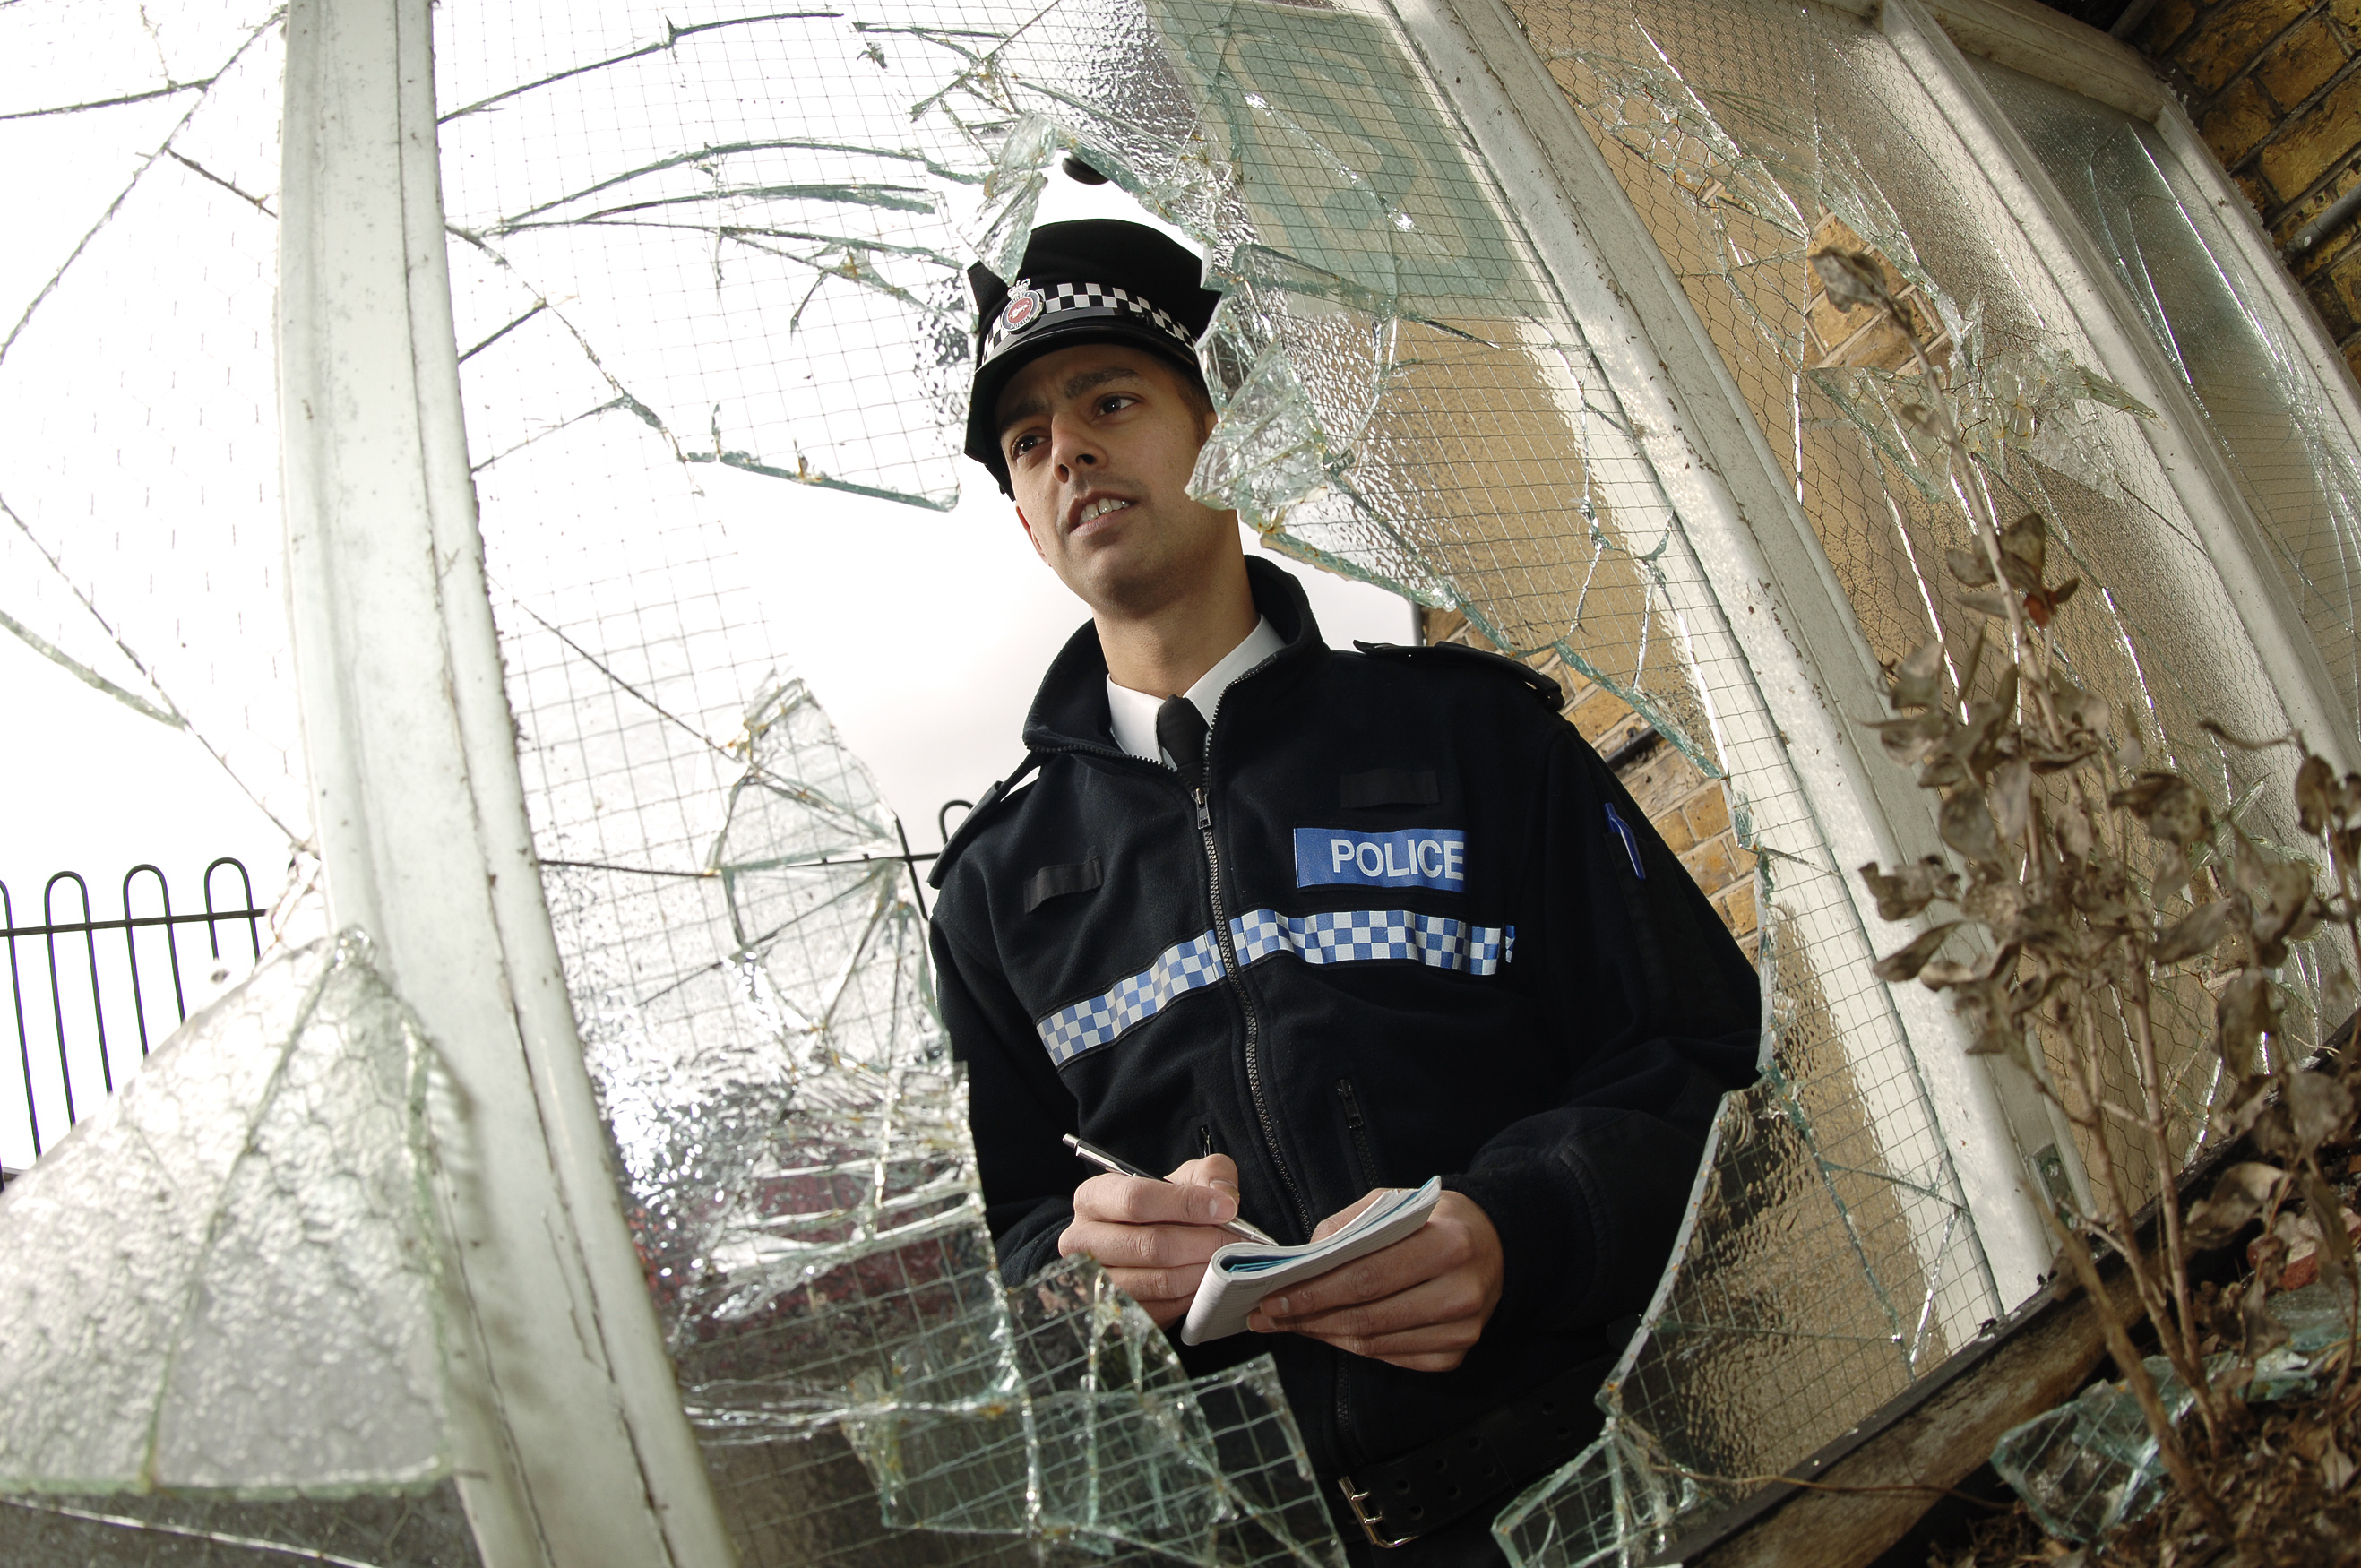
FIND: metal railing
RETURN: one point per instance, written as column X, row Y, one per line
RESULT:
column 74, row 1068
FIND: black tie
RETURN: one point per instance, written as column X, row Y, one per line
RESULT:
column 1180, row 731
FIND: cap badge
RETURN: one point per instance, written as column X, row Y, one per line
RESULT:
column 1024, row 303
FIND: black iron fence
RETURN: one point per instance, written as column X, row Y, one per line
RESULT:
column 79, row 1003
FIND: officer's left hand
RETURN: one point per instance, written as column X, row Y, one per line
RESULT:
column 1421, row 1303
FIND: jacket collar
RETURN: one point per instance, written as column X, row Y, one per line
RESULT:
column 1070, row 709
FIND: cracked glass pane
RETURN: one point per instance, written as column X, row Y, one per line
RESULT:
column 698, row 258
column 141, row 453
column 1749, row 137
column 2296, row 457
column 263, row 1322
column 1407, row 398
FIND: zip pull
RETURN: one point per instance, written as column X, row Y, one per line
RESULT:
column 1204, row 1143
column 1204, row 810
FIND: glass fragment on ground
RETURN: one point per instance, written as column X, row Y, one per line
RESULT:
column 2092, row 1464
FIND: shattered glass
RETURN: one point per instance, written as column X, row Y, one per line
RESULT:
column 140, row 456
column 2296, row 457
column 1748, row 136
column 1407, row 400
column 262, row 1320
column 702, row 256
column 2092, row 1464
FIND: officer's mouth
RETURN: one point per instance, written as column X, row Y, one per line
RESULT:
column 1085, row 515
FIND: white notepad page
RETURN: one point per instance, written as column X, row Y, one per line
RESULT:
column 1243, row 1273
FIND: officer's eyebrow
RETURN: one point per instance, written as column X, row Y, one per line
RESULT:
column 1075, row 385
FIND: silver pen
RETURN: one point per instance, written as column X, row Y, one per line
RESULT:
column 1105, row 1161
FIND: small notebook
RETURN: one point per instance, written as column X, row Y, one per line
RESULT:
column 1243, row 1273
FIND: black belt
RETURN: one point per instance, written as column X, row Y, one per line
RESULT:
column 1429, row 1487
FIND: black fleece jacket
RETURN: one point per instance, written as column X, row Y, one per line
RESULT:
column 1414, row 939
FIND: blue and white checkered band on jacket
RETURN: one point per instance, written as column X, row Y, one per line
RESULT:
column 1036, row 307
column 1350, row 935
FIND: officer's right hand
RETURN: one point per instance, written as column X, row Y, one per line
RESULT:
column 1154, row 1238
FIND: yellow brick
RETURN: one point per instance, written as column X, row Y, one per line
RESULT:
column 1675, row 832
column 1736, row 908
column 2300, row 62
column 1663, row 783
column 2346, row 13
column 1709, row 812
column 1711, row 865
column 2166, row 25
column 2238, row 123
column 1600, row 713
column 2231, row 36
column 2310, row 146
column 2260, row 196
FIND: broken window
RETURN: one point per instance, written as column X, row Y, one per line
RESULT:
column 702, row 261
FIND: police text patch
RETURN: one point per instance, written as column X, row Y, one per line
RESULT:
column 1414, row 857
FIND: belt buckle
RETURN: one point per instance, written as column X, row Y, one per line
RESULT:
column 1369, row 1521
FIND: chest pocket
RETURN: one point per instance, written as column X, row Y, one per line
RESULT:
column 1056, row 882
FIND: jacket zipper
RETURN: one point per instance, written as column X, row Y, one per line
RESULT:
column 1237, row 983
column 1360, row 1128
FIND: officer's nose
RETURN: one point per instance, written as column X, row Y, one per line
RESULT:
column 1073, row 449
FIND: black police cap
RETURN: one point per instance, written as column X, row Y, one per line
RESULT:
column 1093, row 281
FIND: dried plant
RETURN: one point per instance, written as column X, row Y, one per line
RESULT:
column 2086, row 873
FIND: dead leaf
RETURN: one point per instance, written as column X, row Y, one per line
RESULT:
column 1911, row 888
column 2248, row 1008
column 1905, row 962
column 2263, row 1332
column 2071, row 825
column 2333, row 1222
column 2239, row 1194
column 1851, row 279
column 2315, row 793
column 2042, row 605
column 1972, row 567
column 1967, row 826
column 2336, row 1468
column 2012, row 800
column 1905, row 740
column 2168, row 805
column 1918, row 680
column 2023, row 546
column 2196, row 933
column 2318, row 1107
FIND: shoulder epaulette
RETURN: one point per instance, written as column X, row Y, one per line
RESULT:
column 1461, row 655
column 985, row 805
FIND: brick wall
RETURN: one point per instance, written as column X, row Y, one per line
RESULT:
column 1690, row 810
column 2274, row 88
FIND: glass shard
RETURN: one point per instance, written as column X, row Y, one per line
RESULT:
column 2092, row 1464
column 261, row 1319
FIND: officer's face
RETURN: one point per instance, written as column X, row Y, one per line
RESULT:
column 1100, row 441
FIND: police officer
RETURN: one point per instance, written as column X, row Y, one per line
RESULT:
column 1293, row 924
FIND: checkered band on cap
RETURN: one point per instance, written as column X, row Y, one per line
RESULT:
column 1028, row 309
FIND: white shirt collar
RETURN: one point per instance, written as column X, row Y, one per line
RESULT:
column 1134, row 713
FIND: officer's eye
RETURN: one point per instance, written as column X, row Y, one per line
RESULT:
column 1116, row 403
column 1023, row 444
